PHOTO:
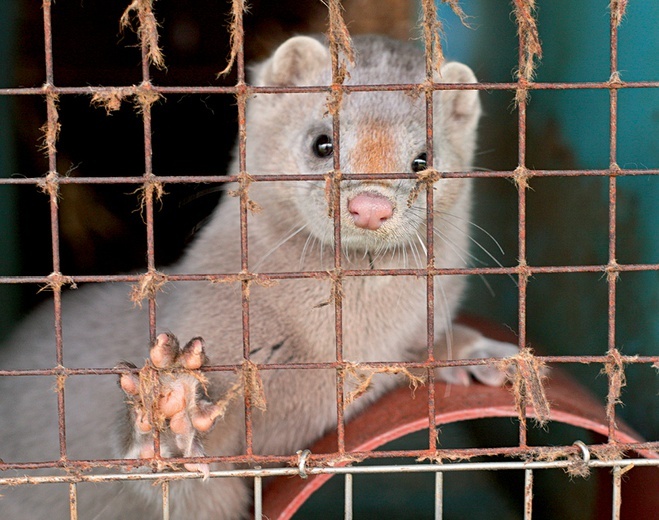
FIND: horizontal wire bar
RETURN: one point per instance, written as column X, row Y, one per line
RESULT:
column 325, row 275
column 309, row 177
column 363, row 470
column 323, row 459
column 333, row 365
column 232, row 90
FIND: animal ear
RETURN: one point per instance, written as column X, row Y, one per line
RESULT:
column 459, row 106
column 297, row 61
column 459, row 111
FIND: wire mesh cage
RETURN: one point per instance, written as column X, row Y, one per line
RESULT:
column 531, row 395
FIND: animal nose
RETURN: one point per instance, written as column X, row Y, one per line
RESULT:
column 370, row 210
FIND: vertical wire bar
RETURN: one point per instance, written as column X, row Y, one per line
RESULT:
column 337, row 285
column 433, row 434
column 521, row 226
column 73, row 501
column 148, row 188
column 528, row 494
column 439, row 495
column 165, row 500
column 613, row 165
column 337, row 279
column 348, row 497
column 52, row 129
column 241, row 98
column 617, row 493
column 258, row 498
column 148, row 206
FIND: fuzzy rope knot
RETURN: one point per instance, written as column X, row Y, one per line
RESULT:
column 528, row 385
column 245, row 179
column 425, row 178
column 147, row 30
column 147, row 287
column 56, row 281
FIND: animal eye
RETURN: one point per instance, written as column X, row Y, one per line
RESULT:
column 420, row 163
column 322, row 146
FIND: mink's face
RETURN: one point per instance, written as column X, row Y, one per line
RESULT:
column 379, row 132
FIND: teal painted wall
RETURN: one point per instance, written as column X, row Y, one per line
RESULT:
column 567, row 220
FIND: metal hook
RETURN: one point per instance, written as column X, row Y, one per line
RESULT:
column 301, row 466
column 584, row 450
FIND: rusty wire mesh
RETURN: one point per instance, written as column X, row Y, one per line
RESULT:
column 150, row 183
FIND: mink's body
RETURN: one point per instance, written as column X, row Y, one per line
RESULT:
column 384, row 318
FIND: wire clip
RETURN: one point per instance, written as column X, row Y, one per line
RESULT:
column 303, row 455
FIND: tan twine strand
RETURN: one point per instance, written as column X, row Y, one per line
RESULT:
column 578, row 464
column 528, row 384
column 147, row 287
column 529, row 40
column 111, row 98
column 56, row 281
column 362, row 378
column 146, row 192
column 432, row 36
column 61, row 379
column 253, row 385
column 332, row 190
column 51, row 128
column 245, row 276
column 50, row 186
column 341, row 50
column 615, row 81
column 249, row 384
column 242, row 192
column 618, row 9
column 527, row 30
column 336, row 289
column 521, row 177
column 334, row 100
column 433, row 29
column 236, row 34
column 612, row 271
column 425, row 179
column 147, row 30
column 614, row 368
column 340, row 42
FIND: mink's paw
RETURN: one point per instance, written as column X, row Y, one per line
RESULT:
column 489, row 374
column 168, row 394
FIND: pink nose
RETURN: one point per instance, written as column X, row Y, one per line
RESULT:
column 370, row 210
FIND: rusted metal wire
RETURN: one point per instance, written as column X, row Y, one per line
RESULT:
column 291, row 471
column 222, row 179
column 150, row 180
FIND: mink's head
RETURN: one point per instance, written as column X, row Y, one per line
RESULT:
column 379, row 132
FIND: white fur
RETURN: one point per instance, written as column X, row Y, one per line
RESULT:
column 383, row 318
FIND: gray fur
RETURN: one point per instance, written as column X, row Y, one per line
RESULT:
column 383, row 318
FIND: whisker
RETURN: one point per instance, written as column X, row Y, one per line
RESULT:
column 278, row 245
column 415, row 253
column 423, row 246
column 457, row 251
column 473, row 224
column 448, row 329
column 484, row 249
column 311, row 240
